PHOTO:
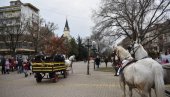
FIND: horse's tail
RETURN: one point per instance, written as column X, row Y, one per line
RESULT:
column 159, row 82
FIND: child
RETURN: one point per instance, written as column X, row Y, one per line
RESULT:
column 25, row 67
column 7, row 66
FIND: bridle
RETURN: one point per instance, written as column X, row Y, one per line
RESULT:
column 134, row 49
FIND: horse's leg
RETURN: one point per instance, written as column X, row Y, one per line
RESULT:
column 72, row 67
column 146, row 93
column 124, row 91
column 155, row 92
column 122, row 84
column 150, row 93
column 130, row 91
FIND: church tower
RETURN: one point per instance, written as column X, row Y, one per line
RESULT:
column 67, row 31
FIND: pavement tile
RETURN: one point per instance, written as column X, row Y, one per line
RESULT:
column 78, row 84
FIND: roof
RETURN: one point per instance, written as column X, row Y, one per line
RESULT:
column 66, row 28
column 32, row 6
column 24, row 4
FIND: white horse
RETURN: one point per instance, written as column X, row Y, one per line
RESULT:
column 141, row 53
column 69, row 62
column 143, row 75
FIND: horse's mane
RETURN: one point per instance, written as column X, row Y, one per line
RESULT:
column 122, row 53
column 140, row 53
column 146, row 53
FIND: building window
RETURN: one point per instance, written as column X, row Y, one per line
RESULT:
column 12, row 3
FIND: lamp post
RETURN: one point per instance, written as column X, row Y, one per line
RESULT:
column 88, row 46
column 94, row 48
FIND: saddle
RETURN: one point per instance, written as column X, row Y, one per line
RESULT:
column 130, row 62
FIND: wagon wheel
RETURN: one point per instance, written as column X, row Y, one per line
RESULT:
column 38, row 77
column 55, row 78
column 167, row 93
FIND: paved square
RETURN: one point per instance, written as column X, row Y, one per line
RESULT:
column 78, row 84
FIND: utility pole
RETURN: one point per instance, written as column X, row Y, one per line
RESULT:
column 88, row 46
column 94, row 51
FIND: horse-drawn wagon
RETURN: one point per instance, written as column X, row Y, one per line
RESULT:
column 49, row 67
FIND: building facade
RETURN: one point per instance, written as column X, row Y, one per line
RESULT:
column 13, row 22
column 162, row 41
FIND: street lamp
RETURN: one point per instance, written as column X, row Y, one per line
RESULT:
column 88, row 46
column 94, row 48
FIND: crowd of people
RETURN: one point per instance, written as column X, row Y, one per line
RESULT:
column 15, row 64
column 24, row 65
column 114, row 61
column 163, row 58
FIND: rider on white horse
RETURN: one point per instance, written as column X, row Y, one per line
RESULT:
column 123, row 59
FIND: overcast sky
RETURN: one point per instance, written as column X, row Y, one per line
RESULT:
column 78, row 13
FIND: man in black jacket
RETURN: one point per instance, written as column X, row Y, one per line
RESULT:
column 3, row 65
column 97, row 61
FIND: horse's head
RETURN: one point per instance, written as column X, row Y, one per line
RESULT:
column 138, row 51
column 122, row 53
column 72, row 58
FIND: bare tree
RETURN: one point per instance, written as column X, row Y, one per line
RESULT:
column 40, row 31
column 12, row 31
column 129, row 18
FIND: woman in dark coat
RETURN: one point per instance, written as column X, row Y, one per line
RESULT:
column 106, row 61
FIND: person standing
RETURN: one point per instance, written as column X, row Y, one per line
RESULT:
column 16, row 64
column 19, row 66
column 12, row 64
column 106, row 61
column 97, row 61
column 7, row 66
column 3, row 65
column 25, row 67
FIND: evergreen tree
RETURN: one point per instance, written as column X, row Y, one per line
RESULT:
column 82, row 51
column 73, row 47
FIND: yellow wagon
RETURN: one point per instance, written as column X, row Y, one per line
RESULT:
column 48, row 68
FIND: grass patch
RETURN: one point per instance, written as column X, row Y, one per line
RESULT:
column 104, row 69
